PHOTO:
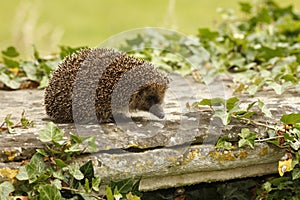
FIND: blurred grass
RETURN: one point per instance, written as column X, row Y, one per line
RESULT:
column 87, row 23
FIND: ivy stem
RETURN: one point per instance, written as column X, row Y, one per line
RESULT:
column 267, row 139
column 249, row 121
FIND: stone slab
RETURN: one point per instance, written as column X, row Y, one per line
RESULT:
column 176, row 151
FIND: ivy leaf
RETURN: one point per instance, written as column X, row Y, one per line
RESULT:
column 92, row 143
column 96, row 184
column 75, row 172
column 212, row 102
column 35, row 168
column 88, row 171
column 109, row 193
column 9, row 124
column 124, row 186
column 250, row 105
column 231, row 102
column 42, row 152
column 245, row 7
column 252, row 89
column 67, row 50
column 207, row 34
column 264, row 109
column 296, row 173
column 5, row 189
column 60, row 163
column 57, row 184
column 279, row 89
column 117, row 194
column 22, row 174
column 222, row 143
column 244, row 114
column 292, row 119
column 49, row 192
column 9, row 82
column 30, row 69
column 51, row 133
column 130, row 196
column 223, row 115
column 11, row 52
column 247, row 138
column 74, row 148
column 25, row 122
column 267, row 186
column 44, row 82
column 11, row 63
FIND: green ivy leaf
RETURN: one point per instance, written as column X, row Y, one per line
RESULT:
column 88, row 170
column 42, row 152
column 60, row 163
column 296, row 173
column 117, row 194
column 5, row 189
column 279, row 89
column 86, row 185
column 59, row 174
column 250, row 105
column 92, row 143
column 252, row 89
column 292, row 119
column 130, row 196
column 75, row 139
column 9, row 82
column 9, row 124
column 67, row 50
column 222, row 143
column 51, row 133
column 207, row 34
column 223, row 115
column 124, row 186
column 109, row 193
column 30, row 69
column 11, row 63
column 75, row 172
column 267, row 186
column 212, row 102
column 247, row 138
column 231, row 103
column 57, row 184
column 264, row 109
column 22, row 174
column 295, row 145
column 35, row 168
column 24, row 121
column 11, row 52
column 74, row 148
column 96, row 184
column 44, row 82
column 244, row 114
column 245, row 7
column 49, row 192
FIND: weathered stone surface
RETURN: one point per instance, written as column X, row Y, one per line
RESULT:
column 178, row 150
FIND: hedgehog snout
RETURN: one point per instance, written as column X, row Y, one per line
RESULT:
column 157, row 110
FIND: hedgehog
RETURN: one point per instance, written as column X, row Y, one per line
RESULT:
column 103, row 85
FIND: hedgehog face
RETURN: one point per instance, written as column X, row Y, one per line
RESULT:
column 149, row 98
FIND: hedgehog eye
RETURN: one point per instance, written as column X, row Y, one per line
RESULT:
column 149, row 98
column 152, row 98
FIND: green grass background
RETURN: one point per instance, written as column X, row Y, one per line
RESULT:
column 89, row 22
